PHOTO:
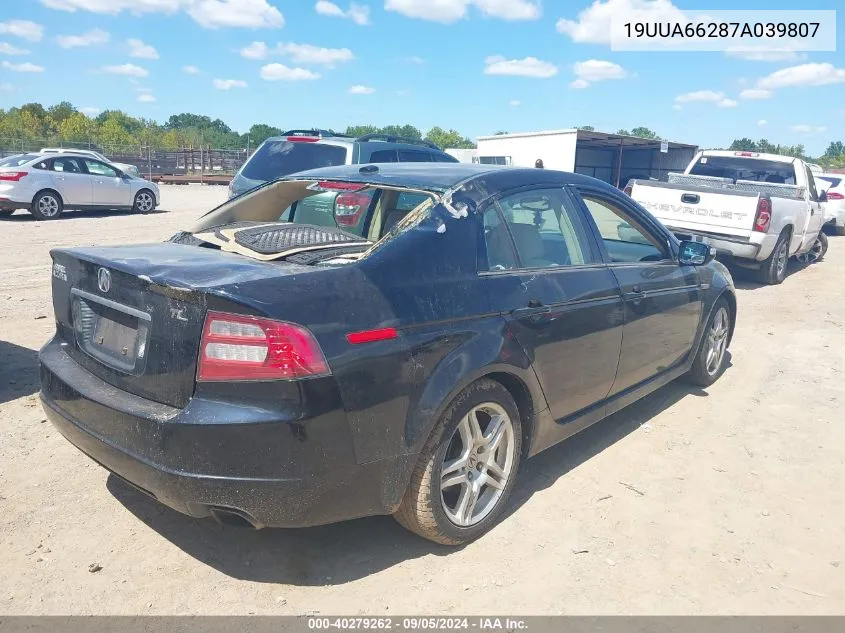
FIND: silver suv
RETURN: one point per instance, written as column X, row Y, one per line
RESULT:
column 299, row 150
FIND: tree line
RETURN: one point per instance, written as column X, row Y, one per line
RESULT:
column 64, row 123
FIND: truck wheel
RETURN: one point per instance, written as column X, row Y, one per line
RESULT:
column 467, row 468
column 773, row 270
column 709, row 361
column 47, row 205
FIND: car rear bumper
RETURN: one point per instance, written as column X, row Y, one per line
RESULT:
column 743, row 250
column 213, row 459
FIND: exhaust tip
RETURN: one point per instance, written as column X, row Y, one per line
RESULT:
column 232, row 518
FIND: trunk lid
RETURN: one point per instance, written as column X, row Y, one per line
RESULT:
column 133, row 315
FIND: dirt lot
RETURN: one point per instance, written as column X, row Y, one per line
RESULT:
column 724, row 501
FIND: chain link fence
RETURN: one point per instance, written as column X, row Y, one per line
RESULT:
column 150, row 161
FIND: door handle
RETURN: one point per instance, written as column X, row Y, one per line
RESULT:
column 636, row 295
column 533, row 311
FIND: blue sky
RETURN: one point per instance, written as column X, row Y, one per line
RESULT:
column 478, row 66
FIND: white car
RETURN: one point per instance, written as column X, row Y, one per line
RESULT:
column 48, row 184
column 132, row 170
column 835, row 203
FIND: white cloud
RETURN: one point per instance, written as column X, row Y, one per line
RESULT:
column 8, row 49
column 256, row 50
column 23, row 29
column 413, row 59
column 755, row 94
column 807, row 129
column 727, row 103
column 26, row 67
column 211, row 14
column 129, row 70
column 361, row 90
column 527, row 67
column 280, row 72
column 766, row 56
column 191, row 70
column 700, row 95
column 677, row 107
column 90, row 111
column 762, row 122
column 137, row 48
column 803, row 75
column 228, row 84
column 593, row 23
column 359, row 14
column 91, row 38
column 447, row 11
column 594, row 70
column 309, row 54
column 515, row 103
column 146, row 97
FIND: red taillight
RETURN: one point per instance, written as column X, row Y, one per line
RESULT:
column 12, row 176
column 746, row 154
column 371, row 336
column 763, row 217
column 303, row 139
column 237, row 347
column 348, row 208
column 832, row 195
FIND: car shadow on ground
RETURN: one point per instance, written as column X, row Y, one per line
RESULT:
column 343, row 552
column 26, row 216
column 746, row 279
column 18, row 371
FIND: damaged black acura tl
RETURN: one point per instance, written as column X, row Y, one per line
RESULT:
column 391, row 339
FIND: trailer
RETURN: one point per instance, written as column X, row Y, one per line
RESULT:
column 613, row 158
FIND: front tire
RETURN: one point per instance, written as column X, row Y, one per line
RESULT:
column 47, row 205
column 467, row 468
column 773, row 269
column 144, row 202
column 709, row 361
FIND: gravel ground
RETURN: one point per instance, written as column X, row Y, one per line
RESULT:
column 727, row 500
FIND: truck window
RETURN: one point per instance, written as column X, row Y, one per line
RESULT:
column 745, row 168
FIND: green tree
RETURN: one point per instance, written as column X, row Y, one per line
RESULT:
column 77, row 128
column 587, row 128
column 835, row 149
column 448, row 139
column 623, row 132
column 361, row 130
column 259, row 132
column 644, row 132
column 61, row 112
column 408, row 131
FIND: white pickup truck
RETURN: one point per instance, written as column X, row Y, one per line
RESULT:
column 757, row 209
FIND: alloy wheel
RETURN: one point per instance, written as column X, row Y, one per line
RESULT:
column 144, row 202
column 477, row 465
column 48, row 206
column 717, row 341
column 782, row 258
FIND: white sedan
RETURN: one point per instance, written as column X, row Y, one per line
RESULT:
column 47, row 184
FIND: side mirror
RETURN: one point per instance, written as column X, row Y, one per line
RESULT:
column 823, row 196
column 696, row 254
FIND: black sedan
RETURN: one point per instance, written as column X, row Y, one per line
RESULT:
column 391, row 339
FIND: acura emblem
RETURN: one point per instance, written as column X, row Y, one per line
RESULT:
column 104, row 280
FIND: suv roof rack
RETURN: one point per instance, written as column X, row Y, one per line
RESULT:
column 391, row 138
column 312, row 132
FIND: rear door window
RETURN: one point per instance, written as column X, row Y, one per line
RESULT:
column 274, row 159
column 414, row 156
column 67, row 165
column 383, row 156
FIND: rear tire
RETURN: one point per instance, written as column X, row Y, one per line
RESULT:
column 144, row 202
column 709, row 361
column 773, row 269
column 478, row 444
column 47, row 205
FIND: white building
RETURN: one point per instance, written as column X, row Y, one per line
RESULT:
column 609, row 157
column 464, row 155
